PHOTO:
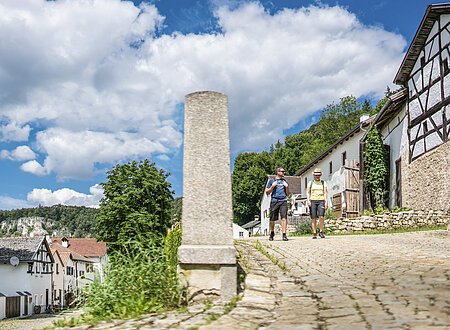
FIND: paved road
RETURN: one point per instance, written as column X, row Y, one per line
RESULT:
column 390, row 281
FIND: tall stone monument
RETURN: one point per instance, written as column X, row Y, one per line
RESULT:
column 207, row 254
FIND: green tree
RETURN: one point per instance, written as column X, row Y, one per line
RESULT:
column 376, row 167
column 137, row 204
column 248, row 179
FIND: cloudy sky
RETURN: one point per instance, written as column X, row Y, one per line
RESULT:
column 87, row 84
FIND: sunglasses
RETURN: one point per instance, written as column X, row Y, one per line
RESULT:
column 282, row 171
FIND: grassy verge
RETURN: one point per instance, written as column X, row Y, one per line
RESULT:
column 140, row 279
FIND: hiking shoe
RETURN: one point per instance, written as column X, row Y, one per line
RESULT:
column 272, row 234
column 285, row 238
column 315, row 236
column 321, row 235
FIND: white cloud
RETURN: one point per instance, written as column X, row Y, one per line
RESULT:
column 21, row 153
column 100, row 101
column 66, row 196
column 33, row 167
column 14, row 131
column 9, row 203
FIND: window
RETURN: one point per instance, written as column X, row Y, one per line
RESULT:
column 81, row 272
column 330, row 165
column 422, row 61
column 57, row 268
column 445, row 66
column 30, row 267
column 425, row 127
column 241, row 234
column 69, row 270
column 90, row 268
column 306, row 183
column 344, row 157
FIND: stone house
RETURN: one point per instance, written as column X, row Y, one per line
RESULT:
column 26, row 266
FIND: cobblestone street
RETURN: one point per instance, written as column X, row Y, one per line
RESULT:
column 390, row 281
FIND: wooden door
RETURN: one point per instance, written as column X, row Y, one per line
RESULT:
column 351, row 188
column 12, row 307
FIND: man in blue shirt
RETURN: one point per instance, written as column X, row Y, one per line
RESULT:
column 279, row 187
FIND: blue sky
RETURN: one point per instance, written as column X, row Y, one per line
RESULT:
column 87, row 85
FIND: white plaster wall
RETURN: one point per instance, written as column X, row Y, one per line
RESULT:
column 2, row 308
column 395, row 135
column 265, row 205
column 58, row 281
column 14, row 279
column 238, row 229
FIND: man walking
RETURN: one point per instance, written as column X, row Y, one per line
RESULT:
column 279, row 187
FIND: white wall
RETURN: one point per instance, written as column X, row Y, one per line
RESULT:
column 14, row 279
column 395, row 134
column 239, row 232
column 265, row 206
column 2, row 308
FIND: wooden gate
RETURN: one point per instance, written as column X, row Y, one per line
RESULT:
column 12, row 307
column 351, row 189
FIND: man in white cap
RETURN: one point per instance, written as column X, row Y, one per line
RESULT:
column 317, row 198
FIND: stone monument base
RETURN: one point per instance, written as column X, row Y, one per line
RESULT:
column 208, row 271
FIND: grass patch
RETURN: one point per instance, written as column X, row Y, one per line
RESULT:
column 141, row 279
column 272, row 258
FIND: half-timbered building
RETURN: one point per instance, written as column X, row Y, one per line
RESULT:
column 425, row 73
column 26, row 276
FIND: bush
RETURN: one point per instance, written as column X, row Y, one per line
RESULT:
column 141, row 279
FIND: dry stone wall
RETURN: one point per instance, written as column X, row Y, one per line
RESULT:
column 426, row 180
column 388, row 221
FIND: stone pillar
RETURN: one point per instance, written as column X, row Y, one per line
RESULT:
column 207, row 254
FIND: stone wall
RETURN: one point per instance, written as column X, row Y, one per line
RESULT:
column 387, row 221
column 426, row 180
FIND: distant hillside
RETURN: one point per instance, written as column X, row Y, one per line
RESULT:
column 57, row 220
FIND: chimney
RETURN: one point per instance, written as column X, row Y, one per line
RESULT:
column 363, row 118
column 65, row 242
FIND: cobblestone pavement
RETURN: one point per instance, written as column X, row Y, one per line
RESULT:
column 389, row 281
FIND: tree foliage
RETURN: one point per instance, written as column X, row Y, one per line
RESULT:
column 249, row 175
column 376, row 167
column 137, row 203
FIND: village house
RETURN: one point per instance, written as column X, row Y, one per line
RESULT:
column 90, row 248
column 26, row 266
column 72, row 272
column 422, row 166
column 239, row 232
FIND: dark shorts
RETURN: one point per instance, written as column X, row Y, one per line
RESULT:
column 278, row 207
column 317, row 209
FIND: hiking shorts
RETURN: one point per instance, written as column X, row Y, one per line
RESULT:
column 278, row 208
column 317, row 209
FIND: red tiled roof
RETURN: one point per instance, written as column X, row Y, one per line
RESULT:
column 65, row 253
column 88, row 247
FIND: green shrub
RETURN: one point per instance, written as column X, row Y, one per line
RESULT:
column 141, row 279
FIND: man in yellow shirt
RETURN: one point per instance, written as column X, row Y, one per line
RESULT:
column 317, row 199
